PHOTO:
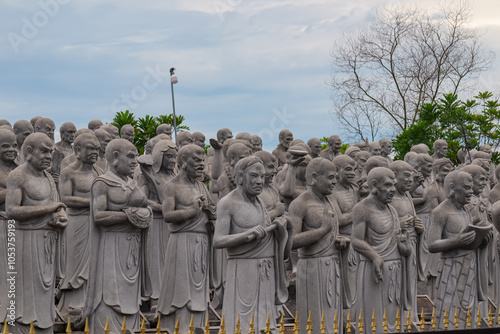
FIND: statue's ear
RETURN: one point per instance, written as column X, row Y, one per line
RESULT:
column 238, row 178
column 314, row 177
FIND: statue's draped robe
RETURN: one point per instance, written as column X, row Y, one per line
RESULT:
column 117, row 279
column 76, row 238
column 255, row 281
column 389, row 294
column 37, row 266
column 319, row 286
column 185, row 286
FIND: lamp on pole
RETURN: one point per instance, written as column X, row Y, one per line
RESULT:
column 173, row 80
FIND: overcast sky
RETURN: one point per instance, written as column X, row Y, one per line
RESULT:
column 249, row 65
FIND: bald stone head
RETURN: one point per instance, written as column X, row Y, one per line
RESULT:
column 321, row 175
column 199, row 139
column 236, row 152
column 34, row 120
column 375, row 149
column 5, row 122
column 184, row 138
column 127, row 132
column 381, row 181
column 315, row 146
column 104, row 137
column 165, row 129
column 224, row 134
column 37, row 150
column 67, row 131
column 122, row 157
column 95, row 124
column 22, row 129
column 113, row 130
column 285, row 138
column 8, row 146
column 385, row 146
column 47, row 126
column 87, row 147
column 404, row 175
column 335, row 143
column 374, row 162
column 256, row 144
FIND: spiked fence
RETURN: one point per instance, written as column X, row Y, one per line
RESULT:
column 350, row 327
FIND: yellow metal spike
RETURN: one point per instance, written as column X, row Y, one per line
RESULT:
column 478, row 318
column 374, row 322
column 32, row 328
column 322, row 327
column 469, row 319
column 207, row 326
column 268, row 324
column 385, row 323
column 281, row 329
column 457, row 321
column 296, row 327
column 361, row 325
column 158, row 325
column 252, row 328
column 422, row 320
column 237, row 329
column 309, row 326
column 335, row 324
column 124, row 325
column 490, row 318
column 106, row 327
column 446, row 321
column 5, row 328
column 191, row 325
column 177, row 325
column 348, row 326
column 86, row 330
column 433, row 319
column 408, row 322
column 222, row 329
column 143, row 326
column 68, row 327
column 398, row 322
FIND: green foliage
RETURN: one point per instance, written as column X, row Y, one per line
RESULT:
column 145, row 127
column 475, row 122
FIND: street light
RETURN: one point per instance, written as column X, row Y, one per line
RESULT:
column 173, row 80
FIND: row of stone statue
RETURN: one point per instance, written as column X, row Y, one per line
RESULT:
column 187, row 228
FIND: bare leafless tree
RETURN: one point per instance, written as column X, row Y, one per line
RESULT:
column 404, row 58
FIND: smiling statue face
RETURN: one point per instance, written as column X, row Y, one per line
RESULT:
column 326, row 180
column 8, row 146
column 464, row 189
column 253, row 179
column 347, row 174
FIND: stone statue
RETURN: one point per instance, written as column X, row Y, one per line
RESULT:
column 184, row 138
column 285, row 138
column 34, row 120
column 188, row 211
column 156, row 174
column 246, row 137
column 225, row 183
column 360, row 158
column 420, row 149
column 270, row 195
column 22, row 129
column 494, row 195
column 385, row 148
column 413, row 227
column 351, row 151
column 63, row 148
column 74, row 188
column 315, row 145
column 72, row 157
column 255, row 281
column 127, row 132
column 165, row 129
column 94, row 124
column 47, row 126
column 435, row 195
column 33, row 202
column 256, row 143
column 344, row 197
column 452, row 234
column 120, row 219
column 316, row 236
column 377, row 237
column 375, row 149
column 5, row 122
column 295, row 182
column 8, row 154
column 111, row 129
column 440, row 149
column 199, row 139
column 333, row 148
column 104, row 137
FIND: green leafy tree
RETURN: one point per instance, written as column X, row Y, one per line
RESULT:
column 124, row 117
column 169, row 119
column 473, row 122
